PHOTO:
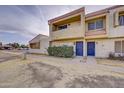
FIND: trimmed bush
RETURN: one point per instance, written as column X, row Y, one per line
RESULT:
column 61, row 51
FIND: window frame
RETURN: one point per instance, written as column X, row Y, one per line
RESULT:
column 95, row 24
column 121, row 46
column 116, row 47
column 62, row 26
column 89, row 29
column 121, row 24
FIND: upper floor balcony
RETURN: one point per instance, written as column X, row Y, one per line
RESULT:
column 70, row 25
column 74, row 31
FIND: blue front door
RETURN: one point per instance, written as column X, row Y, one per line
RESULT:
column 79, row 48
column 91, row 48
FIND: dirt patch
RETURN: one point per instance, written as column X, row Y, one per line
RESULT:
column 96, row 82
column 44, row 75
column 35, row 74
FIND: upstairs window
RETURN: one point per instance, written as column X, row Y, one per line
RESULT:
column 62, row 27
column 97, row 24
column 91, row 26
column 121, row 20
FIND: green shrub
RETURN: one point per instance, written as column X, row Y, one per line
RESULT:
column 61, row 51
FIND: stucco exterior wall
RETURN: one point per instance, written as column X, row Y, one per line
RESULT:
column 44, row 44
column 104, row 46
column 115, row 31
column 73, row 31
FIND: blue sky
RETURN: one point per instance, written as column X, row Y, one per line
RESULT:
column 22, row 23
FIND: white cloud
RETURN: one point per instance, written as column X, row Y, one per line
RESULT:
column 32, row 20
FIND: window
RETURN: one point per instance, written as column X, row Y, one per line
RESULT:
column 91, row 26
column 35, row 45
column 121, row 20
column 97, row 24
column 117, row 46
column 62, row 27
column 122, row 46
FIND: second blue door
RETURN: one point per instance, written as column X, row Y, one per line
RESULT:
column 79, row 48
column 91, row 48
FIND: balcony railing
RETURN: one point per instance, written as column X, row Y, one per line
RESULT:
column 73, row 32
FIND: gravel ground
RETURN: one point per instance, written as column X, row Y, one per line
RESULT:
column 50, row 72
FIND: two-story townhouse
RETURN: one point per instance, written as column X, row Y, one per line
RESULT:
column 100, row 33
column 104, row 33
column 69, row 29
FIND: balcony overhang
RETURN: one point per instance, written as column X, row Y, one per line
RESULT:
column 67, row 15
column 96, row 17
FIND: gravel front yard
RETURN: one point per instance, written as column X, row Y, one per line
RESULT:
column 43, row 71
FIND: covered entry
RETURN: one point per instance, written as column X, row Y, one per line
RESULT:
column 79, row 48
column 90, row 48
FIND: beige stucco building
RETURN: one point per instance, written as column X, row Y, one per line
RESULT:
column 95, row 34
column 39, row 44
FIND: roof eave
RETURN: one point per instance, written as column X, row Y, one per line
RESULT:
column 66, row 15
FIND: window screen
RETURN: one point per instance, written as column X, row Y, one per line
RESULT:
column 62, row 27
column 117, row 46
column 121, row 20
column 99, row 24
column 123, row 46
column 91, row 26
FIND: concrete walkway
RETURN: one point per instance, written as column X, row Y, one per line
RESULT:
column 92, row 61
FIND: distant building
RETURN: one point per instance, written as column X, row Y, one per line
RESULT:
column 7, row 46
column 39, row 44
column 0, row 45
